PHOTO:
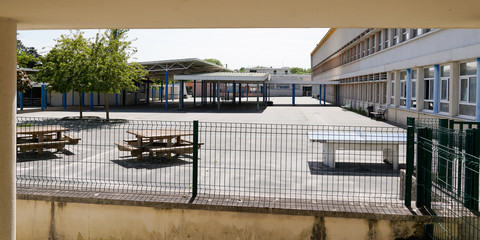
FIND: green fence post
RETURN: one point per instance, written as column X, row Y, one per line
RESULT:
column 421, row 136
column 428, row 170
column 442, row 153
column 195, row 162
column 471, row 169
column 410, row 163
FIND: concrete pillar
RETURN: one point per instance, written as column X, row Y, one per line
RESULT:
column 420, row 89
column 409, row 89
column 454, row 92
column 8, row 65
column 389, row 89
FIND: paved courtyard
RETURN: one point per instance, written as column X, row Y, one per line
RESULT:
column 247, row 153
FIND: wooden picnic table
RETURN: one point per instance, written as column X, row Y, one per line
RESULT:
column 159, row 141
column 41, row 137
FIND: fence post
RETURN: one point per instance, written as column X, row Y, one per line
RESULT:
column 424, row 167
column 471, row 169
column 443, row 154
column 410, row 160
column 195, row 162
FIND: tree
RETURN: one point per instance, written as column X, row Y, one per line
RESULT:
column 66, row 66
column 297, row 70
column 27, row 57
column 214, row 61
column 109, row 63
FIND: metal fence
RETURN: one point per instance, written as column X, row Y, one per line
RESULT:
column 232, row 161
column 447, row 175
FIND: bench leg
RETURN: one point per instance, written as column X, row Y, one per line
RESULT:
column 329, row 155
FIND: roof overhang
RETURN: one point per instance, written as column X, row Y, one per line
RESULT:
column 158, row 69
column 227, row 77
column 94, row 14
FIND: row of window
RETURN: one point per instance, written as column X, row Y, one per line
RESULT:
column 367, row 43
column 374, row 89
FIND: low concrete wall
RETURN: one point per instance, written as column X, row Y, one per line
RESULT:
column 42, row 219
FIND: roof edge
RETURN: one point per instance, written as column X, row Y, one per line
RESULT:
column 324, row 39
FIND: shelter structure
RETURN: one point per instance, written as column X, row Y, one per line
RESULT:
column 218, row 85
column 163, row 71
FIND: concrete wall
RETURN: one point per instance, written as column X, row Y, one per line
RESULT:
column 39, row 219
column 339, row 38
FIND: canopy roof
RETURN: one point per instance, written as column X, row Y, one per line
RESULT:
column 227, row 77
column 157, row 69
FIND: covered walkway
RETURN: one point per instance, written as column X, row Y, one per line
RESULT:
column 218, row 87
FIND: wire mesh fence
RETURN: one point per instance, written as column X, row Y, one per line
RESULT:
column 235, row 160
column 447, row 175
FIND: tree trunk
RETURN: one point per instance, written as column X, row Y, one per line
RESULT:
column 80, row 96
column 105, row 100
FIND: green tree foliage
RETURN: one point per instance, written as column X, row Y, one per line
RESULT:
column 112, row 72
column 66, row 66
column 297, row 70
column 214, row 61
column 27, row 57
column 83, row 65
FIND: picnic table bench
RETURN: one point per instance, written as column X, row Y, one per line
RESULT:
column 39, row 138
column 158, row 142
column 387, row 142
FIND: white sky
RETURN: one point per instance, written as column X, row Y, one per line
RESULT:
column 235, row 47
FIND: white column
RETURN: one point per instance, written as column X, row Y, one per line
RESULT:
column 396, row 100
column 420, row 90
column 8, row 64
column 389, row 89
column 453, row 88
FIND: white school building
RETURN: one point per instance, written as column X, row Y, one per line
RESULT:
column 412, row 72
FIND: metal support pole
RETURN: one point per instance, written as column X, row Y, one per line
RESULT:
column 443, row 152
column 258, row 97
column 73, row 97
column 293, row 94
column 194, row 92
column 82, row 99
column 240, row 93
column 234, row 91
column 218, row 96
column 20, row 95
column 91, row 101
column 166, row 90
column 195, row 162
column 98, row 99
column 410, row 161
column 42, row 97
column 324, row 94
column 64, row 102
column 472, row 141
column 116, row 99
column 181, row 93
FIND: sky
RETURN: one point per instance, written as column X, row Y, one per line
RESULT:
column 235, row 48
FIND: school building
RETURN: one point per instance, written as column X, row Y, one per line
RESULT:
column 411, row 72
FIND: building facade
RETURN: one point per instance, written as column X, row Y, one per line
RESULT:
column 282, row 82
column 412, row 72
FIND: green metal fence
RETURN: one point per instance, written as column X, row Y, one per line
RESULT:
column 446, row 169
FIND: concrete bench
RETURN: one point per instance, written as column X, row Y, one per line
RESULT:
column 387, row 142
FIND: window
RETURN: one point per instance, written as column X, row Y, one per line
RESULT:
column 413, row 88
column 428, row 87
column 274, row 71
column 286, row 72
column 395, row 36
column 283, row 86
column 363, row 49
column 373, row 44
column 368, row 47
column 379, row 34
column 253, row 71
column 444, row 87
column 403, row 88
column 404, row 34
column 415, row 32
column 386, row 38
column 468, row 91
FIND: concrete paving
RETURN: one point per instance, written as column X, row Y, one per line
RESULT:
column 272, row 159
